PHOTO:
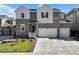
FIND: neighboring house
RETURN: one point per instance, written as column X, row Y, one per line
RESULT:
column 41, row 22
column 6, row 25
column 73, row 16
column 12, row 25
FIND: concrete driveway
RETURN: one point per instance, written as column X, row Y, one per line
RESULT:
column 66, row 46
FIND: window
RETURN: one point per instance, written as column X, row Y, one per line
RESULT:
column 44, row 15
column 22, row 27
column 22, row 15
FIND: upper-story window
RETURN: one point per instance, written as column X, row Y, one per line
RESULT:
column 44, row 15
column 22, row 15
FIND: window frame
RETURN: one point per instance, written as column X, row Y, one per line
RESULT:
column 22, row 26
column 22, row 15
column 44, row 14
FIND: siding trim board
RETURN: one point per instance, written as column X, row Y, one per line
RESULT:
column 54, row 25
column 64, row 25
column 47, row 25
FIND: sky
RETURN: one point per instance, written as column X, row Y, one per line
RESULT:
column 9, row 9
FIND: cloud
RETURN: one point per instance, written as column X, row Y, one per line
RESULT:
column 40, row 5
column 6, row 10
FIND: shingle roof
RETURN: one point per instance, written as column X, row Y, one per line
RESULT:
column 32, row 9
column 56, row 10
column 36, row 9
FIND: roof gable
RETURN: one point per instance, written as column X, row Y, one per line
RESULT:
column 44, row 6
column 22, row 7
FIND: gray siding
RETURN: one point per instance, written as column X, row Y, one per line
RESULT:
column 56, row 15
column 64, row 25
column 22, row 21
column 48, row 25
column 54, row 25
column 33, row 16
column 56, row 21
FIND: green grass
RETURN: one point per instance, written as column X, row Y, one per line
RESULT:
column 16, row 47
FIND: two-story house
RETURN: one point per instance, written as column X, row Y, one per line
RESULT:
column 6, row 25
column 41, row 22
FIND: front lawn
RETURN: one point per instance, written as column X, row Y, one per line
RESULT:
column 16, row 47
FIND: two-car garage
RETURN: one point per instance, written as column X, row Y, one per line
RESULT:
column 54, row 32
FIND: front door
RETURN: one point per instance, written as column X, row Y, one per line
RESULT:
column 33, row 28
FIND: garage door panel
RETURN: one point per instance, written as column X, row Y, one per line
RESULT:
column 47, row 32
column 64, row 32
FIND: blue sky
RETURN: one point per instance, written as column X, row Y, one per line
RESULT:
column 8, row 9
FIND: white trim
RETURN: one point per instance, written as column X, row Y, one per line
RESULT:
column 22, row 25
column 64, row 32
column 48, row 32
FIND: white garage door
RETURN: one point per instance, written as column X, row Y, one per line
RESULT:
column 48, row 32
column 64, row 32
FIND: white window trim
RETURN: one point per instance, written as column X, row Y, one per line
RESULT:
column 22, row 14
column 22, row 25
column 44, row 14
